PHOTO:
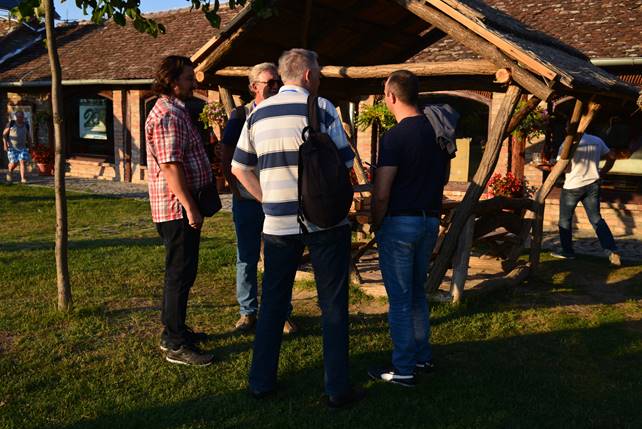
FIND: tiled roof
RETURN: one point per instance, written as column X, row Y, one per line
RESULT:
column 598, row 28
column 15, row 36
column 6, row 26
column 90, row 51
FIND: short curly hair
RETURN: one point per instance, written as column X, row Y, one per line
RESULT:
column 168, row 73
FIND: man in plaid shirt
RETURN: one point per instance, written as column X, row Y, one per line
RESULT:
column 178, row 168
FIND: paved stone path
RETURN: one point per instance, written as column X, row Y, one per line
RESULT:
column 101, row 187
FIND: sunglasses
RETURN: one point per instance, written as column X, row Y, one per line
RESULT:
column 272, row 83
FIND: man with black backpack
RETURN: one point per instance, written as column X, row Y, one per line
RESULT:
column 285, row 145
column 246, row 210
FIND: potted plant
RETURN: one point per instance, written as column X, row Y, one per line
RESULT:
column 214, row 115
column 509, row 186
column 43, row 156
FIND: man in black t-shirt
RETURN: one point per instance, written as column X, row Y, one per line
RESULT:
column 409, row 183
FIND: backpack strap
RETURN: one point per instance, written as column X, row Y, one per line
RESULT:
column 313, row 117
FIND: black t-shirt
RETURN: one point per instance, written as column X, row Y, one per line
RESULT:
column 412, row 147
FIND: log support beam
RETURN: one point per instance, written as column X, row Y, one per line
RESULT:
column 443, row 68
column 227, row 100
column 476, row 187
column 461, row 260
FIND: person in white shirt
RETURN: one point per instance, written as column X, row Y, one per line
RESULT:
column 582, row 183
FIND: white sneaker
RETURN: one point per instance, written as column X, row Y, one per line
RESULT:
column 23, row 180
column 9, row 178
column 614, row 258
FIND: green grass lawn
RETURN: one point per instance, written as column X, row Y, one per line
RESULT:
column 563, row 350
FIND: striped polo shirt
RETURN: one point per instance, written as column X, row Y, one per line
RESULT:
column 270, row 142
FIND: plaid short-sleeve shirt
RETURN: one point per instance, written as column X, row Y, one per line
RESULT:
column 171, row 137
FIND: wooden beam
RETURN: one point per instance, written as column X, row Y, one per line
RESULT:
column 476, row 43
column 461, row 260
column 227, row 100
column 233, row 24
column 446, row 68
column 224, row 47
column 512, row 279
column 476, row 187
column 576, row 129
column 507, row 47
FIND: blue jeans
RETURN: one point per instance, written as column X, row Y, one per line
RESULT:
column 330, row 254
column 405, row 244
column 589, row 195
column 248, row 222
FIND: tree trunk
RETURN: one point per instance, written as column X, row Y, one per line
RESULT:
column 62, row 268
column 496, row 136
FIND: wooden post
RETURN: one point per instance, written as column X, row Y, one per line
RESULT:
column 518, row 148
column 227, row 100
column 374, row 144
column 461, row 259
column 577, row 126
column 476, row 187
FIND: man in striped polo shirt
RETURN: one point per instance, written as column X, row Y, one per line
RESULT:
column 270, row 141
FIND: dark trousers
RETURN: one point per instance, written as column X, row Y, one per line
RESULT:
column 589, row 195
column 181, row 263
column 330, row 254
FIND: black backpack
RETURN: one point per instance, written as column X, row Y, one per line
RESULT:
column 325, row 188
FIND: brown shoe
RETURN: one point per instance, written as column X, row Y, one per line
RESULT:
column 289, row 327
column 245, row 323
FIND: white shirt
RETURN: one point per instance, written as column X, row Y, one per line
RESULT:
column 270, row 141
column 584, row 165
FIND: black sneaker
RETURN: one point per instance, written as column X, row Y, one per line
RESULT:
column 425, row 367
column 391, row 375
column 353, row 396
column 187, row 354
column 191, row 337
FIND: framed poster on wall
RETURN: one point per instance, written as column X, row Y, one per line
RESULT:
column 92, row 115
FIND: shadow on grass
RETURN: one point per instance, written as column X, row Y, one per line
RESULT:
column 574, row 377
column 83, row 244
column 124, row 242
column 13, row 199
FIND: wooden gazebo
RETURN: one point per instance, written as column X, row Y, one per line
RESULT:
column 360, row 42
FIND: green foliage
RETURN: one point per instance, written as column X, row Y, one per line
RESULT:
column 122, row 11
column 533, row 125
column 377, row 113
